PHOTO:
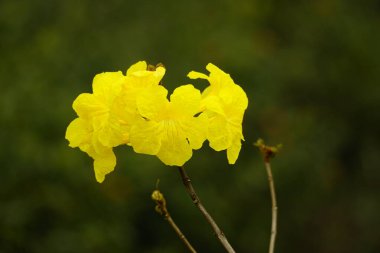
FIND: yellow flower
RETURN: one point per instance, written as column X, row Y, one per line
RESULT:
column 169, row 129
column 97, row 108
column 106, row 115
column 80, row 133
column 112, row 106
column 225, row 103
column 133, row 109
column 97, row 129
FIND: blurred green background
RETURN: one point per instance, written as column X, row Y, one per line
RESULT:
column 310, row 69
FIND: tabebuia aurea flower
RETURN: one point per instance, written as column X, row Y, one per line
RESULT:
column 169, row 129
column 106, row 115
column 225, row 103
column 134, row 109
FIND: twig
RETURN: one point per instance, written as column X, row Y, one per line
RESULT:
column 194, row 197
column 268, row 153
column 274, row 207
column 161, row 208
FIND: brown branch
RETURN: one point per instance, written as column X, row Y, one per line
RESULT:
column 274, row 207
column 268, row 153
column 194, row 197
column 161, row 208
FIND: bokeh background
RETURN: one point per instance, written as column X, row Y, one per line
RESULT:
column 310, row 69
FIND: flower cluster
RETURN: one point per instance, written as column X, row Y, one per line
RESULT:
column 133, row 109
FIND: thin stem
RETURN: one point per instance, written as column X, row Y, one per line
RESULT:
column 268, row 153
column 161, row 208
column 194, row 197
column 179, row 233
column 274, row 206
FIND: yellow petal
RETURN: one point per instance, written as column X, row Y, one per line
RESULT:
column 124, row 107
column 219, row 134
column 195, row 130
column 235, row 97
column 218, row 76
column 175, row 150
column 96, row 147
column 107, row 85
column 213, row 104
column 88, row 148
column 196, row 75
column 152, row 101
column 139, row 66
column 78, row 132
column 86, row 105
column 159, row 73
column 186, row 99
column 234, row 150
column 145, row 137
column 104, row 163
column 145, row 78
column 214, row 69
column 109, row 130
column 218, row 79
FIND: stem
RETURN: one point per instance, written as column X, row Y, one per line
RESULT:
column 179, row 233
column 161, row 208
column 194, row 197
column 274, row 206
